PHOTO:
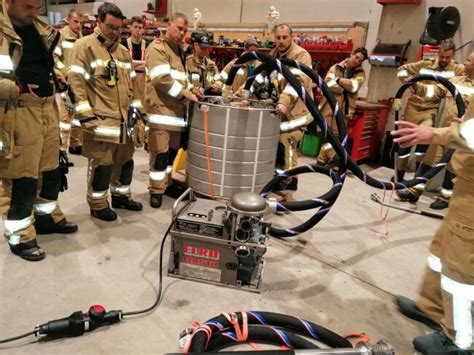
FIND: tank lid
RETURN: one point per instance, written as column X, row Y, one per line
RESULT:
column 248, row 202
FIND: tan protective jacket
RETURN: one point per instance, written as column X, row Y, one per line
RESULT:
column 63, row 51
column 202, row 72
column 288, row 97
column 344, row 85
column 102, row 104
column 10, row 55
column 166, row 85
column 427, row 100
column 240, row 77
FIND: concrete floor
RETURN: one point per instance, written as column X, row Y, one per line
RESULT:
column 339, row 275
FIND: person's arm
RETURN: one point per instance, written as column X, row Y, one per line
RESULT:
column 352, row 85
column 407, row 71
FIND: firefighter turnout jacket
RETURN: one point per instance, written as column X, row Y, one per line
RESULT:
column 202, row 74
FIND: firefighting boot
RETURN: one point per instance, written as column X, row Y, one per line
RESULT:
column 105, row 214
column 44, row 224
column 409, row 309
column 439, row 204
column 175, row 190
column 156, row 200
column 30, row 251
column 75, row 150
column 126, row 203
column 437, row 343
column 409, row 195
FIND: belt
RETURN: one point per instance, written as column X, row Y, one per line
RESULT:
column 17, row 103
column 140, row 71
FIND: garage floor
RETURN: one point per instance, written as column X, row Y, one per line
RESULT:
column 341, row 275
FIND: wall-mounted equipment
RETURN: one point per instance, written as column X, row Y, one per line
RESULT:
column 389, row 54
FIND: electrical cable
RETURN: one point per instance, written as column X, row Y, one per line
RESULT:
column 3, row 341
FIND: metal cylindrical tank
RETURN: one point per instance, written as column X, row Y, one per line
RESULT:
column 243, row 143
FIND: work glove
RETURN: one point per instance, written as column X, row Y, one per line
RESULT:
column 64, row 165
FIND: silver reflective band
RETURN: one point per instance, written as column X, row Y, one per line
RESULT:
column 136, row 103
column 98, row 63
column 159, row 70
column 45, row 208
column 11, row 227
column 444, row 74
column 175, row 89
column 60, row 65
column 97, row 194
column 296, row 71
column 79, row 70
column 463, row 296
column 419, row 153
column 298, row 122
column 404, row 156
column 14, row 239
column 169, row 169
column 64, row 126
column 157, row 175
column 467, row 132
column 420, row 186
column 241, row 71
column 355, row 85
column 1, row 145
column 290, row 91
column 67, row 44
column 133, row 74
column 124, row 65
column 178, row 75
column 217, row 77
column 83, row 106
column 107, row 131
column 6, row 63
column 76, row 123
column 434, row 263
column 279, row 171
column 430, row 90
column 465, row 90
column 260, row 79
column 280, row 77
column 195, row 77
column 332, row 83
column 402, row 74
column 58, row 51
column 224, row 75
column 167, row 120
column 121, row 190
column 446, row 193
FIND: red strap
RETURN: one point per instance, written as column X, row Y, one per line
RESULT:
column 241, row 333
column 362, row 337
column 208, row 155
column 201, row 328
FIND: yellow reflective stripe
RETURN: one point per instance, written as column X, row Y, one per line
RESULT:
column 178, row 75
column 175, row 89
column 79, row 70
column 467, row 132
column 297, row 122
column 97, row 194
column 290, row 91
column 98, row 63
column 217, row 77
column 6, row 63
column 167, row 120
column 133, row 74
column 60, row 65
column 355, row 85
column 161, row 69
column 296, row 71
column 1, row 144
column 434, row 263
column 465, row 90
column 124, row 65
column 67, row 44
column 107, row 131
column 76, row 123
column 83, row 106
column 446, row 193
column 64, row 126
column 195, row 76
column 260, row 79
column 45, row 208
column 14, row 226
column 241, row 71
column 447, row 74
column 120, row 190
column 331, row 83
column 402, row 74
column 157, row 175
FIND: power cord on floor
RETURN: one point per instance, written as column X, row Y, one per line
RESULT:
column 78, row 322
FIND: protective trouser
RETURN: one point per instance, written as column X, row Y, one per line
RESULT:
column 31, row 179
column 65, row 118
column 419, row 117
column 289, row 141
column 447, row 290
column 162, row 145
column 110, row 165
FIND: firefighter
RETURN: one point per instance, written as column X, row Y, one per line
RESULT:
column 250, row 45
column 69, row 127
column 465, row 86
column 101, row 78
column 137, row 46
column 29, row 142
column 292, row 110
column 167, row 91
column 446, row 295
column 421, row 109
column 344, row 80
column 202, row 71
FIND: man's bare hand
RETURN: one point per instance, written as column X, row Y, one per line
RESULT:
column 459, row 120
column 281, row 110
column 32, row 87
column 410, row 134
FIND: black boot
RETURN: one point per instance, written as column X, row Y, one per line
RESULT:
column 437, row 343
column 175, row 190
column 44, row 224
column 30, row 251
column 126, row 203
column 75, row 150
column 439, row 204
column 409, row 309
column 407, row 195
column 105, row 214
column 156, row 200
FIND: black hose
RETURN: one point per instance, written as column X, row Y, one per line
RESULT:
column 296, row 326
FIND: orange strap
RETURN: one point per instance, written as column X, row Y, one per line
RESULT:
column 384, row 215
column 200, row 328
column 362, row 337
column 241, row 333
column 208, row 154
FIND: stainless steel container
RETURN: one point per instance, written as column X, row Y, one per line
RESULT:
column 242, row 143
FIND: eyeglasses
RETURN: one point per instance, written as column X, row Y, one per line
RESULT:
column 113, row 28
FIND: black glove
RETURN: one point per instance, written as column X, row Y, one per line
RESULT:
column 64, row 165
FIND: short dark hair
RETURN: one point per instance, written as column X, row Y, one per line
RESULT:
column 362, row 51
column 136, row 19
column 283, row 25
column 107, row 8
column 447, row 45
column 178, row 15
